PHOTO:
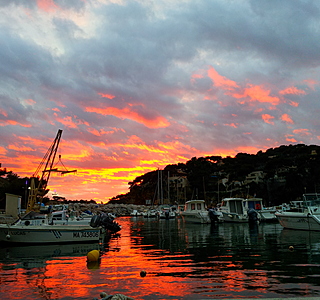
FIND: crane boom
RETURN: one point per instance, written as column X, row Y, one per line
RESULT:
column 38, row 190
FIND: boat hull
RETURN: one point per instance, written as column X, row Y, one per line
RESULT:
column 50, row 234
column 198, row 218
column 267, row 215
column 234, row 218
column 301, row 221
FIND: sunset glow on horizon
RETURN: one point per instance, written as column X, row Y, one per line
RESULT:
column 137, row 86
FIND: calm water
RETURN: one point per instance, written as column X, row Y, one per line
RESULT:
column 182, row 261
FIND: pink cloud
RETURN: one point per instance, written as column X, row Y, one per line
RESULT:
column 128, row 113
column 291, row 140
column 13, row 122
column 221, row 81
column 109, row 96
column 286, row 118
column 302, row 131
column 232, row 125
column 258, row 93
column 311, row 83
column 196, row 76
column 295, row 104
column 293, row 91
column 71, row 122
column 4, row 113
column 46, row 5
column 267, row 118
column 30, row 101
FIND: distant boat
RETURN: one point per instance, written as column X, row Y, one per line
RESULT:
column 135, row 213
column 195, row 211
column 150, row 213
column 166, row 212
column 306, row 217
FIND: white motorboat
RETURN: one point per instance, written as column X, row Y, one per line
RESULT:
column 135, row 213
column 37, row 228
column 265, row 214
column 235, row 210
column 195, row 211
column 305, row 218
column 151, row 213
column 166, row 212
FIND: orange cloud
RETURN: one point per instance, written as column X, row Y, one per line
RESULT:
column 286, row 118
column 267, row 118
column 12, row 122
column 221, row 81
column 69, row 122
column 302, row 131
column 293, row 91
column 291, row 140
column 94, row 131
column 257, row 93
column 102, row 132
column 20, row 148
column 109, row 96
column 231, row 125
column 126, row 113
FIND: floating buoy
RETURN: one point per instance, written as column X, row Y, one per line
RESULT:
column 143, row 273
column 93, row 255
column 8, row 237
column 103, row 295
column 291, row 248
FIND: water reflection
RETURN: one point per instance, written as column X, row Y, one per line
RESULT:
column 182, row 261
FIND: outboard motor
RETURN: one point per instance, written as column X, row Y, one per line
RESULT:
column 213, row 215
column 253, row 216
column 106, row 222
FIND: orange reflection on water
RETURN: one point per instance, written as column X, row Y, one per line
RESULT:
column 182, row 271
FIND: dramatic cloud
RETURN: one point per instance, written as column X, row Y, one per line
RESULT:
column 136, row 85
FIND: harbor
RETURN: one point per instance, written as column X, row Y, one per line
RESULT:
column 180, row 260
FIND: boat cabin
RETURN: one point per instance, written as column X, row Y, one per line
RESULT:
column 195, row 205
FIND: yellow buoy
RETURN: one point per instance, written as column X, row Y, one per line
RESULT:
column 93, row 255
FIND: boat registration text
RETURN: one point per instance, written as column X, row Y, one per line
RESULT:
column 86, row 234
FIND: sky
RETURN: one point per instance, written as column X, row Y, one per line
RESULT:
column 138, row 85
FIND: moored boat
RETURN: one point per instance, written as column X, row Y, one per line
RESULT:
column 37, row 228
column 236, row 210
column 166, row 212
column 195, row 211
column 306, row 217
column 265, row 214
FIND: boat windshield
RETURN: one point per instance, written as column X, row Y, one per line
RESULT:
column 311, row 200
column 33, row 215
